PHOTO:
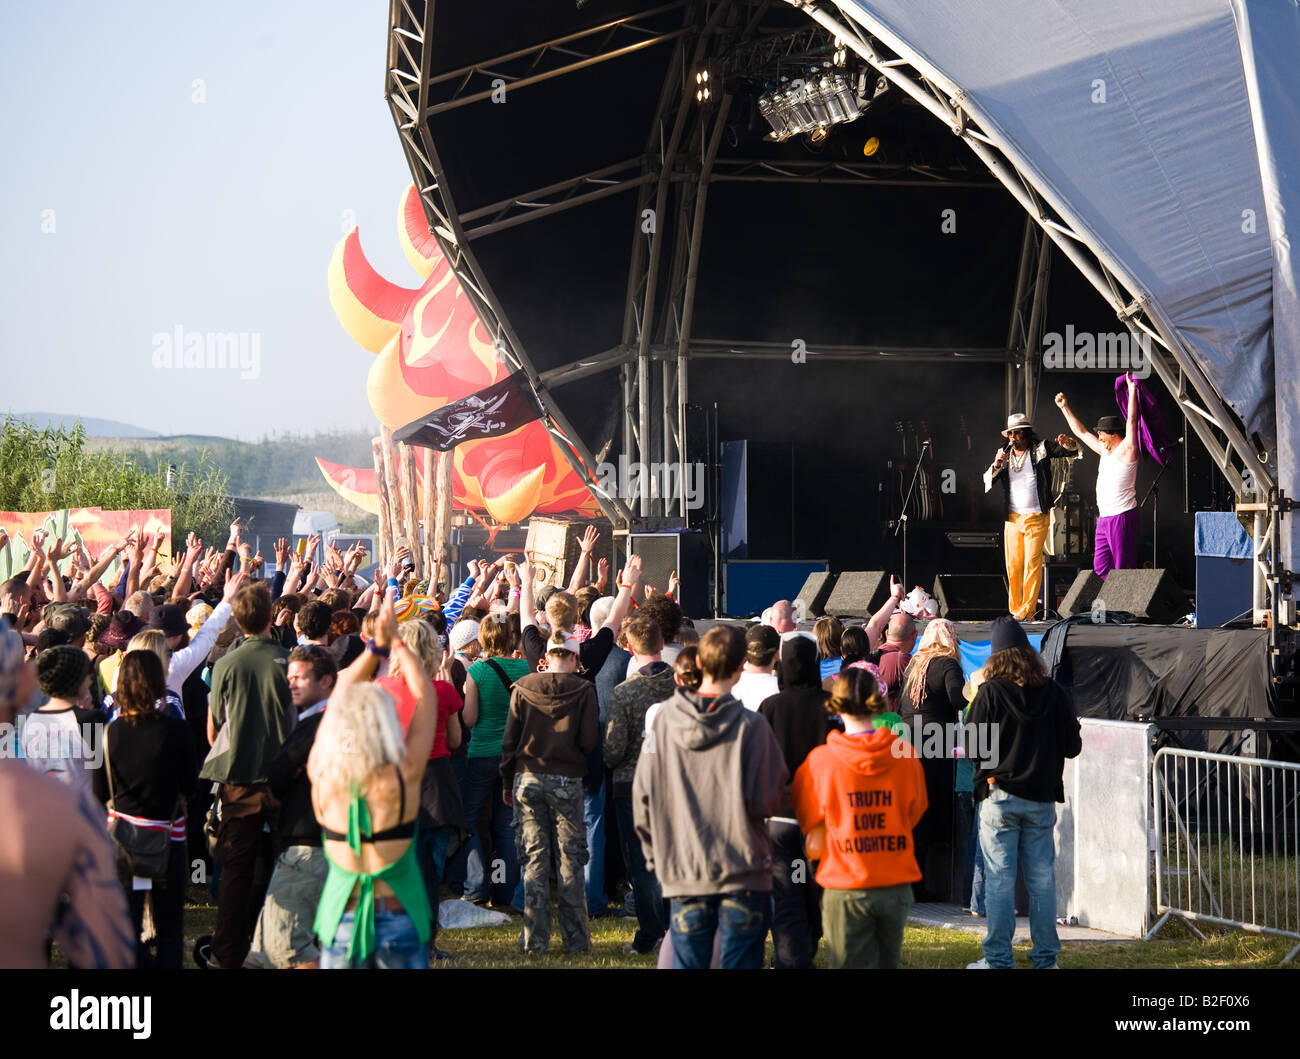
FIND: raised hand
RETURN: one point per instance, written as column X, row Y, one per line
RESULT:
column 649, row 591
column 1060, row 401
column 234, row 582
column 193, row 549
column 673, row 582
column 602, row 573
column 896, row 588
column 386, row 626
column 281, row 552
column 589, row 538
column 631, row 572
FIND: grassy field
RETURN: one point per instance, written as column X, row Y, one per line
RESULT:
column 923, row 947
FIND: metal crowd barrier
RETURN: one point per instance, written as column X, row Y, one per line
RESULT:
column 1227, row 842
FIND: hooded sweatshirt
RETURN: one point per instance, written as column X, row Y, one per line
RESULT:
column 1036, row 731
column 869, row 792
column 709, row 774
column 798, row 714
column 551, row 728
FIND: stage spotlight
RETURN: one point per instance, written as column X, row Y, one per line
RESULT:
column 704, row 86
column 871, row 146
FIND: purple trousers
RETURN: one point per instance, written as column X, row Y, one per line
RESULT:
column 1117, row 542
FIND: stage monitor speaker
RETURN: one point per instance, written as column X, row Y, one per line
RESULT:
column 971, row 597
column 1149, row 595
column 1079, row 598
column 811, row 600
column 858, row 594
column 687, row 552
column 757, row 500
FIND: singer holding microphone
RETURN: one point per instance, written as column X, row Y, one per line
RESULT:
column 1024, row 466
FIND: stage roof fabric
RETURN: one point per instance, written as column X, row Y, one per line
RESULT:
column 1167, row 133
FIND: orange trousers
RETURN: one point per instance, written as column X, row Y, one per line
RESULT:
column 1024, row 538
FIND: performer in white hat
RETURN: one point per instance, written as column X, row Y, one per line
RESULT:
column 1024, row 465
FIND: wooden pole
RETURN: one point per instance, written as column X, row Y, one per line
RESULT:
column 442, row 520
column 396, row 516
column 385, row 509
column 406, row 457
column 430, row 516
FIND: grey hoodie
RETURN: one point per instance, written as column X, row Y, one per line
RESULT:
column 705, row 782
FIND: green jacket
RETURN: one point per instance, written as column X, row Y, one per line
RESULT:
column 626, row 728
column 252, row 711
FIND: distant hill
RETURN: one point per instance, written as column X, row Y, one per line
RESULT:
column 282, row 468
column 96, row 428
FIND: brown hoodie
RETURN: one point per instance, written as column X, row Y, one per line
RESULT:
column 552, row 726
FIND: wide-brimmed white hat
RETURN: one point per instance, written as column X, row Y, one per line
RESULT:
column 1017, row 421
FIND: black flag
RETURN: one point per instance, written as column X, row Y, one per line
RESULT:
column 502, row 407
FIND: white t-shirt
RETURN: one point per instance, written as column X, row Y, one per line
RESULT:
column 55, row 742
column 1116, row 485
column 1024, row 488
column 753, row 688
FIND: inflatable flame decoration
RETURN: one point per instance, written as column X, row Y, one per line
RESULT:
column 432, row 349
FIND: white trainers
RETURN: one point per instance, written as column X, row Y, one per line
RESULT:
column 979, row 965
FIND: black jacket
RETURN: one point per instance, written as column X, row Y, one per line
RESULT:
column 1041, row 454
column 797, row 713
column 287, row 778
column 1036, row 731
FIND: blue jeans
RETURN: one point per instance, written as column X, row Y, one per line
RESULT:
column 976, row 869
column 431, row 849
column 594, row 873
column 1015, row 829
column 740, row 917
column 649, row 902
column 397, row 945
column 496, row 881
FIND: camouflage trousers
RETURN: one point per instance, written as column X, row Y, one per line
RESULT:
column 550, row 831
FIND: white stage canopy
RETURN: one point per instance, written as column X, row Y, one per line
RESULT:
column 1166, row 134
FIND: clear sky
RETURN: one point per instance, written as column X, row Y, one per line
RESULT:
column 200, row 162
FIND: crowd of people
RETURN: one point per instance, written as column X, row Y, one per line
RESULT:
column 336, row 757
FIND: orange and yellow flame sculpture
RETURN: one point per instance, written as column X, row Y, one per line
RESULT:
column 431, row 349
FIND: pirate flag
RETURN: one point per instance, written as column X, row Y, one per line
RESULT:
column 502, row 407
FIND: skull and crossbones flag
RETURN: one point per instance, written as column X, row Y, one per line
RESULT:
column 502, row 407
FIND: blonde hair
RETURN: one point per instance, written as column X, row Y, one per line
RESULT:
column 152, row 640
column 938, row 641
column 420, row 638
column 359, row 734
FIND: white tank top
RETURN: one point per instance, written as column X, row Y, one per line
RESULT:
column 1024, row 488
column 1116, row 485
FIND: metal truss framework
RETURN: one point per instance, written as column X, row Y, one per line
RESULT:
column 671, row 179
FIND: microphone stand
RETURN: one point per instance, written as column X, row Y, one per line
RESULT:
column 901, row 524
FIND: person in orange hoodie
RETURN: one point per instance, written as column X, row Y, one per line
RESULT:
column 865, row 791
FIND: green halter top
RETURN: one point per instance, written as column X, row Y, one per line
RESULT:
column 403, row 876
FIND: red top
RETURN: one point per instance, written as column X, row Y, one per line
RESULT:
column 448, row 703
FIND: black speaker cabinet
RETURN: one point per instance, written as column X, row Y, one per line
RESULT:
column 971, row 597
column 814, row 594
column 757, row 500
column 858, row 594
column 1079, row 598
column 687, row 552
column 1149, row 595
